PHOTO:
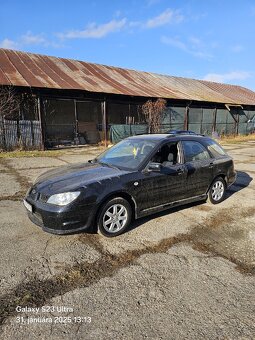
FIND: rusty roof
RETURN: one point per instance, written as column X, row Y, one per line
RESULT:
column 35, row 70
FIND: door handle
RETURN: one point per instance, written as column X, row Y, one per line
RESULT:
column 210, row 165
column 180, row 171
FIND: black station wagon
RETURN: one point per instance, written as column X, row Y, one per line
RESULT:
column 138, row 176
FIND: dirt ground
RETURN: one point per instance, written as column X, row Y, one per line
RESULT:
column 188, row 273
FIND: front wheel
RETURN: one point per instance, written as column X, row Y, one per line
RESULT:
column 114, row 217
column 217, row 191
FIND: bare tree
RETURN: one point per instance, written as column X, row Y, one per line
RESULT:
column 9, row 102
column 28, row 104
column 154, row 113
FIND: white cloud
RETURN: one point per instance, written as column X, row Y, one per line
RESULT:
column 9, row 44
column 202, row 54
column 152, row 2
column 37, row 39
column 95, row 31
column 117, row 13
column 215, row 44
column 166, row 17
column 28, row 39
column 237, row 48
column 174, row 42
column 31, row 39
column 225, row 77
column 134, row 23
column 194, row 46
column 195, row 41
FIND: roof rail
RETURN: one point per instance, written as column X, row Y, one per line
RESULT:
column 179, row 132
column 183, row 132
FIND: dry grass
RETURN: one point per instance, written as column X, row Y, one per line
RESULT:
column 234, row 139
column 34, row 153
column 230, row 139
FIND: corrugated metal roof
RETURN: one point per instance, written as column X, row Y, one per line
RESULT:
column 34, row 70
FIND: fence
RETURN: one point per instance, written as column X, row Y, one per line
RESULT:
column 121, row 131
column 25, row 134
column 206, row 120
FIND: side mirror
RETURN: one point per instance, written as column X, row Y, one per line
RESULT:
column 154, row 167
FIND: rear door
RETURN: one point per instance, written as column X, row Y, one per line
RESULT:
column 199, row 165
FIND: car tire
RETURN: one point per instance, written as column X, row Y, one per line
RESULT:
column 217, row 190
column 114, row 217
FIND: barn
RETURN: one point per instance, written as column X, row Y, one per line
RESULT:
column 65, row 102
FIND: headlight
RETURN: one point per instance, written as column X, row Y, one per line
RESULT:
column 64, row 198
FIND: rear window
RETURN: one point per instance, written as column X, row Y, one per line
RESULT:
column 215, row 149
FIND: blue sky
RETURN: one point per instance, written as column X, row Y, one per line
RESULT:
column 201, row 39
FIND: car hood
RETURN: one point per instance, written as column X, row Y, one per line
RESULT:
column 71, row 177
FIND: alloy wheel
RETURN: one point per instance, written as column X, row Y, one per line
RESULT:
column 115, row 218
column 217, row 190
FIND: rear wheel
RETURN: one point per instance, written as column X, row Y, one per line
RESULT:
column 217, row 191
column 114, row 217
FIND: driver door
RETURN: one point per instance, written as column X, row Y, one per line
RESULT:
column 167, row 185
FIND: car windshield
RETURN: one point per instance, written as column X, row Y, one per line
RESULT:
column 129, row 153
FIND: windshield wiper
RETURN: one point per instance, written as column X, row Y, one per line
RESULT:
column 108, row 164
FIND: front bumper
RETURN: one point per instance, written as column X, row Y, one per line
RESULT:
column 61, row 220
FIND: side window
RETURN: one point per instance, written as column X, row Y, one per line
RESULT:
column 215, row 149
column 194, row 151
column 167, row 155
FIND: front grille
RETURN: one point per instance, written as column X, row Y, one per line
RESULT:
column 35, row 195
column 43, row 198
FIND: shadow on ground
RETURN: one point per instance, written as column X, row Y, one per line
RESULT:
column 242, row 181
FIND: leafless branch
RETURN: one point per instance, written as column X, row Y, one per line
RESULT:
column 154, row 113
column 9, row 102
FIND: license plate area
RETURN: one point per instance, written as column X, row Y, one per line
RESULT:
column 28, row 206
